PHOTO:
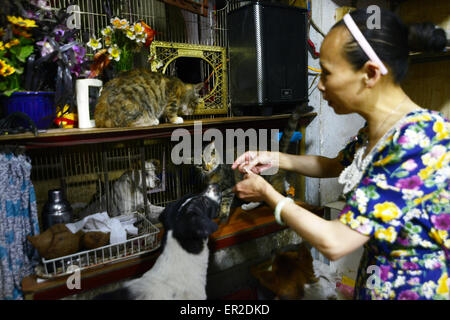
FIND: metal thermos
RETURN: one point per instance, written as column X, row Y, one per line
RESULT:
column 56, row 210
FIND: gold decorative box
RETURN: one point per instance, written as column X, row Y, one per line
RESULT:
column 162, row 54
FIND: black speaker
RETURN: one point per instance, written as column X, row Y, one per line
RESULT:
column 268, row 57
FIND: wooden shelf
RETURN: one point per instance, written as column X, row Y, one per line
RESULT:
column 419, row 57
column 69, row 137
column 245, row 225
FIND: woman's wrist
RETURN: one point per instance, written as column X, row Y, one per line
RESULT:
column 270, row 195
column 284, row 162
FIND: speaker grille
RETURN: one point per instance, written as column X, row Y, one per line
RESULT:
column 268, row 57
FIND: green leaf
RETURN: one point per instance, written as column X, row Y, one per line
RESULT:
column 7, row 60
column 24, row 53
column 19, row 70
column 10, row 91
column 26, row 41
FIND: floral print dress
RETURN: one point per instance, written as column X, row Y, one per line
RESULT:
column 402, row 201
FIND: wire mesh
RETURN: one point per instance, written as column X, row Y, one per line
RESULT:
column 91, row 176
column 172, row 23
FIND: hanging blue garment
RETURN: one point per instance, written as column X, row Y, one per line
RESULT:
column 18, row 218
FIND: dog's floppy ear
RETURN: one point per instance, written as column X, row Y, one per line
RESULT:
column 169, row 214
column 205, row 227
column 212, row 210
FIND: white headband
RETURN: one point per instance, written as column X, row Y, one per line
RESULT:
column 354, row 30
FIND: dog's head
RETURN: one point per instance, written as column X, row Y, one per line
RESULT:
column 190, row 218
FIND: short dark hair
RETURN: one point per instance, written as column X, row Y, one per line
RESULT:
column 392, row 41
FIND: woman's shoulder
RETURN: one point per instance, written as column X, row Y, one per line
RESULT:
column 424, row 116
column 416, row 134
column 420, row 126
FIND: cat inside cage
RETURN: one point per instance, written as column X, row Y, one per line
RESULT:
column 117, row 178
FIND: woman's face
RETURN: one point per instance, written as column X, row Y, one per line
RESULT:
column 340, row 85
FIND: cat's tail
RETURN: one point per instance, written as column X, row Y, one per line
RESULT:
column 291, row 127
column 279, row 180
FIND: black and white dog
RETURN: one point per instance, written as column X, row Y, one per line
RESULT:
column 180, row 271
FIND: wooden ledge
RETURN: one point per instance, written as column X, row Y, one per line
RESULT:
column 246, row 225
column 56, row 288
column 76, row 136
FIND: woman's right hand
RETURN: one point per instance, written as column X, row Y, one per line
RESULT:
column 256, row 161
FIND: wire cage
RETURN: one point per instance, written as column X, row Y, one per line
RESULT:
column 173, row 25
column 96, row 177
column 93, row 175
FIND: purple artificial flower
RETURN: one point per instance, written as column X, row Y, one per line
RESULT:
column 408, row 295
column 59, row 34
column 80, row 53
column 43, row 4
column 442, row 221
column 47, row 48
column 412, row 183
column 76, row 70
column 29, row 14
column 410, row 266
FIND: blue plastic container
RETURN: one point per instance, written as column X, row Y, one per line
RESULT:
column 297, row 136
column 39, row 106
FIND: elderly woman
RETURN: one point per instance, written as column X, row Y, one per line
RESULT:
column 395, row 172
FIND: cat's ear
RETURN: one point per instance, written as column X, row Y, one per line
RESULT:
column 197, row 87
column 156, row 163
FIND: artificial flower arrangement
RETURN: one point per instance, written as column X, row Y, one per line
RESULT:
column 118, row 44
column 59, row 60
column 16, row 46
column 38, row 52
column 33, row 46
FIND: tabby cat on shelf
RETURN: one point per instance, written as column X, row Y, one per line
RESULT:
column 140, row 97
column 214, row 170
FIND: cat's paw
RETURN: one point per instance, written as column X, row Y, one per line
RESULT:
column 250, row 206
column 154, row 122
column 177, row 120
